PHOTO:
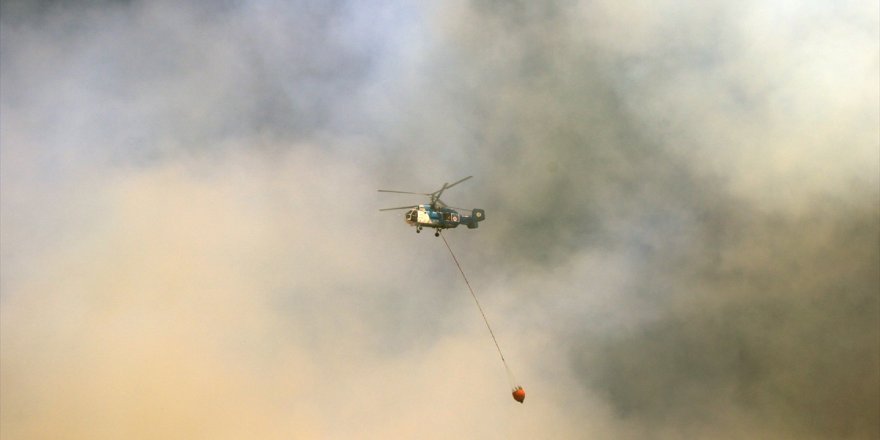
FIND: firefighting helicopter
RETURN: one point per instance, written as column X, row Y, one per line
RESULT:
column 437, row 214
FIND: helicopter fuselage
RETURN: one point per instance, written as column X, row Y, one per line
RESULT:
column 422, row 216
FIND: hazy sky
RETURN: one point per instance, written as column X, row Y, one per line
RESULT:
column 682, row 235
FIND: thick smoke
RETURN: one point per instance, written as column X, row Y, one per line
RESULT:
column 682, row 239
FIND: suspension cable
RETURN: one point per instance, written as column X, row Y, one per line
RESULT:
column 474, row 296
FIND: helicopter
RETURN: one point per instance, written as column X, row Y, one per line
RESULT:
column 437, row 214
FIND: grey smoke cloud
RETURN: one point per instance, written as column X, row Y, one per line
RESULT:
column 682, row 237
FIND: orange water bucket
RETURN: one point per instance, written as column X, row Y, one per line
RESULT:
column 519, row 394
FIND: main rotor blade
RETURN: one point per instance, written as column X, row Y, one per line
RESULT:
column 436, row 194
column 399, row 207
column 402, row 192
column 456, row 183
